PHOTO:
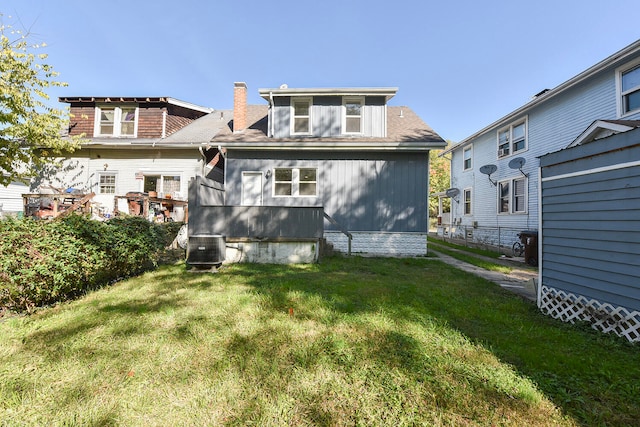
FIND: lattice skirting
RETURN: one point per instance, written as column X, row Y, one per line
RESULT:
column 605, row 317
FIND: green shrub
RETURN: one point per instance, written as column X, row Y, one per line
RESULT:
column 43, row 262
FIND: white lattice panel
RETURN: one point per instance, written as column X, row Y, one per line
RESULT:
column 605, row 317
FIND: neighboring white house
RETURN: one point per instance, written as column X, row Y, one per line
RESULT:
column 131, row 144
column 495, row 170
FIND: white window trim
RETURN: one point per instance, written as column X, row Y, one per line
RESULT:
column 510, row 127
column 293, row 116
column 117, row 120
column 464, row 201
column 295, row 182
column 464, row 150
column 619, row 94
column 162, row 174
column 107, row 173
column 511, row 195
column 347, row 100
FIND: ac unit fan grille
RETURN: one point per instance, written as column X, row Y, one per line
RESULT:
column 206, row 249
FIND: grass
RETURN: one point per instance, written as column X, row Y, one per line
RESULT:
column 479, row 251
column 350, row 341
column 462, row 253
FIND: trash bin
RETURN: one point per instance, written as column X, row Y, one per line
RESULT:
column 529, row 239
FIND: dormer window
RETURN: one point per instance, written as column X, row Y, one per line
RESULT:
column 301, row 116
column 116, row 121
column 352, row 123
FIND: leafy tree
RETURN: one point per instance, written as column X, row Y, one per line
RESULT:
column 30, row 130
column 439, row 179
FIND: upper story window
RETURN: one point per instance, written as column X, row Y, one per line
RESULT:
column 512, row 196
column 352, row 115
column 294, row 182
column 301, row 116
column 116, row 121
column 466, row 158
column 512, row 139
column 629, row 89
column 107, row 183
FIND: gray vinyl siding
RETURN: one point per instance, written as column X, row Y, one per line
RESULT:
column 326, row 117
column 383, row 192
column 11, row 197
column 591, row 221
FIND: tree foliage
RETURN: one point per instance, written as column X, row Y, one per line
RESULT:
column 439, row 179
column 30, row 130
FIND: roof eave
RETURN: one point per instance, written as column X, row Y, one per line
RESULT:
column 589, row 72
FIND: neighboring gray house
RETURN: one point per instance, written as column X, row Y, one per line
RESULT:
column 495, row 170
column 590, row 230
column 342, row 154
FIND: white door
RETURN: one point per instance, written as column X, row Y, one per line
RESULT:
column 252, row 188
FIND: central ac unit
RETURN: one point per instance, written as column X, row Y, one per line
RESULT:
column 206, row 249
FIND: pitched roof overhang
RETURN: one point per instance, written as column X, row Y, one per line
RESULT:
column 387, row 92
column 547, row 95
column 133, row 99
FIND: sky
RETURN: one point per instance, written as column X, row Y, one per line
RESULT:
column 460, row 65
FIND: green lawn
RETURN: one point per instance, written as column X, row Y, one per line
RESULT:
column 350, row 341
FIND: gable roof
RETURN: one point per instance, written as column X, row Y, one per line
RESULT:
column 405, row 131
column 604, row 128
column 546, row 95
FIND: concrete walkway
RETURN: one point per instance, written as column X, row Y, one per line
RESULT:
column 520, row 281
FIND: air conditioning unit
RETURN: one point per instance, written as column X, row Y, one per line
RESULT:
column 206, row 249
column 502, row 152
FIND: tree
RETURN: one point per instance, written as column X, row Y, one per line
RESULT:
column 30, row 130
column 439, row 179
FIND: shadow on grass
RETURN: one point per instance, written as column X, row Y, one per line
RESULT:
column 592, row 377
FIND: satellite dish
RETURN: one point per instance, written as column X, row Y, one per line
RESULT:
column 488, row 170
column 284, row 86
column 518, row 163
column 452, row 192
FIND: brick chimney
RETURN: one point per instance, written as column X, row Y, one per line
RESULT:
column 239, row 106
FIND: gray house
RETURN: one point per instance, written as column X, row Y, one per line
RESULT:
column 335, row 165
column 493, row 171
column 590, row 230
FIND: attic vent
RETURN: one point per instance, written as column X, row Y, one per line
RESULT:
column 542, row 92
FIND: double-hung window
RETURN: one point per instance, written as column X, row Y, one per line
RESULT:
column 629, row 89
column 467, row 158
column 352, row 123
column 107, row 183
column 116, row 121
column 467, row 201
column 512, row 139
column 295, row 182
column 512, row 196
column 301, row 116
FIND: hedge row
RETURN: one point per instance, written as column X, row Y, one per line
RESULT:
column 43, row 262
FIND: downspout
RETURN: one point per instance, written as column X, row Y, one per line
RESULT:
column 271, row 111
column 204, row 160
column 164, row 123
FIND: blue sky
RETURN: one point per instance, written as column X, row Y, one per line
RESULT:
column 460, row 65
